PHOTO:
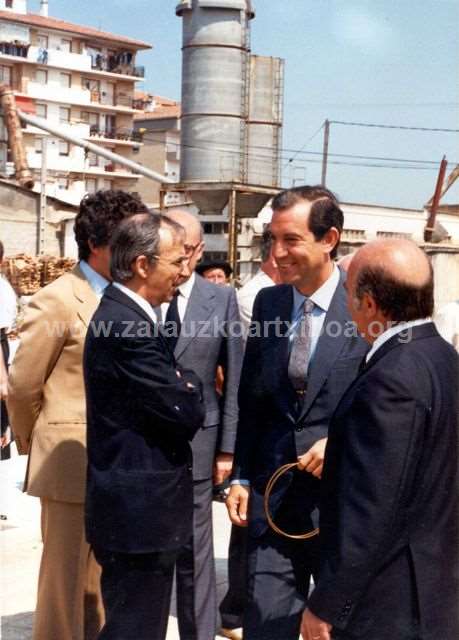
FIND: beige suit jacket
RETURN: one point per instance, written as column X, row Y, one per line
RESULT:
column 46, row 403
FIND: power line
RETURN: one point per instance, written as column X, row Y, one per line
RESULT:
column 297, row 152
column 392, row 126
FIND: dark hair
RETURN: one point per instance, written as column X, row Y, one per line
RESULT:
column 266, row 244
column 99, row 215
column 137, row 236
column 399, row 301
column 325, row 211
column 2, row 250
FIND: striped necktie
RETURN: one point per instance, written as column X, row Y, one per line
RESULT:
column 301, row 349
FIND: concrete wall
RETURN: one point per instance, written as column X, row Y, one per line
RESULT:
column 19, row 216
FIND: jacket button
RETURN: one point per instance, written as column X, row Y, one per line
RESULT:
column 299, row 429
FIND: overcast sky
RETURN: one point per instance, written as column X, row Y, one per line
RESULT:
column 391, row 62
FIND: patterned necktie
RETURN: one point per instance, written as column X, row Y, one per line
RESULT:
column 301, row 348
column 173, row 324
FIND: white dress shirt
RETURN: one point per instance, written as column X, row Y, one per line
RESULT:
column 182, row 300
column 97, row 282
column 392, row 331
column 322, row 299
column 143, row 304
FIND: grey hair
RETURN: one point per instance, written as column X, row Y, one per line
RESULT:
column 137, row 236
column 190, row 213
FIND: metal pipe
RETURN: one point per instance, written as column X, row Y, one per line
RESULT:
column 232, row 233
column 13, row 126
column 114, row 157
column 323, row 181
column 430, row 224
column 42, row 219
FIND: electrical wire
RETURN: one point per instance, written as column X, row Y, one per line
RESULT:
column 393, row 126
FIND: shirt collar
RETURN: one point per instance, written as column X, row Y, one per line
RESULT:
column 143, row 304
column 392, row 331
column 322, row 297
column 97, row 282
column 186, row 287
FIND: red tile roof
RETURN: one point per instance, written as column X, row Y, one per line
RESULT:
column 160, row 113
column 35, row 20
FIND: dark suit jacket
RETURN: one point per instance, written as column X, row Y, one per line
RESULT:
column 389, row 509
column 141, row 416
column 210, row 337
column 272, row 430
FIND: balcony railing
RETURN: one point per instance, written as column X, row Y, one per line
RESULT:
column 118, row 63
column 106, row 99
column 123, row 133
column 14, row 49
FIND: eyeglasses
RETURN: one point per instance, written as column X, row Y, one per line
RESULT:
column 175, row 263
column 190, row 249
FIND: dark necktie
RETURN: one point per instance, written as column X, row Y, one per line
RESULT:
column 301, row 349
column 172, row 324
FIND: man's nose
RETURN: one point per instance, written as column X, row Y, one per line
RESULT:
column 278, row 250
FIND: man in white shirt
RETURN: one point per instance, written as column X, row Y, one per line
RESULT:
column 389, row 504
column 8, row 311
column 267, row 276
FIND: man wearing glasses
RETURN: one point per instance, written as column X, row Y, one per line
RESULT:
column 203, row 327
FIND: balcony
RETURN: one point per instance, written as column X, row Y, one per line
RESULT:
column 14, row 49
column 106, row 99
column 123, row 133
column 118, row 63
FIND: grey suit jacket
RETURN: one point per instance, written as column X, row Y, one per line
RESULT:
column 210, row 337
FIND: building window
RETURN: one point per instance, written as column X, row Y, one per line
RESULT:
column 92, row 159
column 64, row 148
column 42, row 41
column 66, row 80
column 41, row 76
column 90, row 185
column 215, row 228
column 66, row 45
column 64, row 114
column 63, row 183
column 41, row 110
column 38, row 145
column 8, row 4
column 5, row 75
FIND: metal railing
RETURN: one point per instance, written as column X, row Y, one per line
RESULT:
column 119, row 63
column 123, row 133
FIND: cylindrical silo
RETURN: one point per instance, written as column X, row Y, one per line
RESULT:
column 264, row 125
column 214, row 89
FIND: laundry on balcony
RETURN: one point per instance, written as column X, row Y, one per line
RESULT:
column 42, row 56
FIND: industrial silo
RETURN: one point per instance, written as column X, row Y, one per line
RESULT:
column 264, row 124
column 214, row 89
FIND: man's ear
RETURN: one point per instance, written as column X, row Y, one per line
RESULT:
column 200, row 250
column 369, row 306
column 140, row 267
column 330, row 239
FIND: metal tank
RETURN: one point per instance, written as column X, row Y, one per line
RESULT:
column 264, row 124
column 214, row 92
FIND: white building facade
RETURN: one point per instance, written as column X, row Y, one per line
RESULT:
column 81, row 80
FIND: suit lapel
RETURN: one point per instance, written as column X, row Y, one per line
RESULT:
column 328, row 347
column 87, row 299
column 200, row 306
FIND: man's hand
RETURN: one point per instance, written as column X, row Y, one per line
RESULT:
column 313, row 460
column 5, row 439
column 313, row 628
column 223, row 465
column 237, row 503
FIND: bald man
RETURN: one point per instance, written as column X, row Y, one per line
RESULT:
column 209, row 335
column 389, row 507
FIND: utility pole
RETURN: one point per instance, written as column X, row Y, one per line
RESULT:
column 43, row 176
column 325, row 153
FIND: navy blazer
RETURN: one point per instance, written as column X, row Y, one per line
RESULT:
column 211, row 336
column 272, row 430
column 141, row 415
column 389, row 508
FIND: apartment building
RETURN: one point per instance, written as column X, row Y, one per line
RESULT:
column 158, row 124
column 80, row 79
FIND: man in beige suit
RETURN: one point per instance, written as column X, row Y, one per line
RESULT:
column 47, row 409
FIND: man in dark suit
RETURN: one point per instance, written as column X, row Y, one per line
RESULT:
column 301, row 355
column 143, row 410
column 209, row 335
column 389, row 507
